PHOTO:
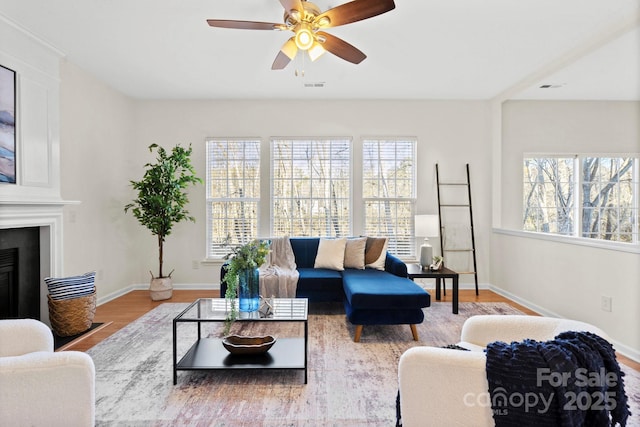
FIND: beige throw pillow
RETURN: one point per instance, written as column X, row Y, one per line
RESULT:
column 331, row 254
column 354, row 253
column 376, row 252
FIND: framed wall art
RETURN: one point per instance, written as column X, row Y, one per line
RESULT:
column 7, row 125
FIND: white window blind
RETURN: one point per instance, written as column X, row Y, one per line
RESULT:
column 311, row 191
column 389, row 191
column 233, row 193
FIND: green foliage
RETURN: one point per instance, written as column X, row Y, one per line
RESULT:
column 245, row 257
column 161, row 200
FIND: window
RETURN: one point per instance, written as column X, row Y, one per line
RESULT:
column 582, row 196
column 549, row 189
column 389, row 191
column 310, row 184
column 233, row 193
column 610, row 198
column 311, row 187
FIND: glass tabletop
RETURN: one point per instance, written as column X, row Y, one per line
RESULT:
column 216, row 309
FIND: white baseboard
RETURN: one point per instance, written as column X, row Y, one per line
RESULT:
column 531, row 306
column 110, row 297
column 430, row 284
column 625, row 350
column 144, row 286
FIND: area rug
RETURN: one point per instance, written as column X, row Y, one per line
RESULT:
column 349, row 384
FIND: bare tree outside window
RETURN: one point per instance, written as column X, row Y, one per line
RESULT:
column 233, row 193
column 609, row 210
column 311, row 191
column 549, row 195
column 389, row 191
column 592, row 197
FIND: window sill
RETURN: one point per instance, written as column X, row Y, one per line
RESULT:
column 213, row 261
column 633, row 248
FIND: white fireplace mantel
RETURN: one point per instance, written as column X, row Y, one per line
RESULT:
column 48, row 216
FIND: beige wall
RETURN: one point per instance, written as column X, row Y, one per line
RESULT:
column 561, row 276
column 436, row 125
column 101, row 124
column 571, row 127
column 97, row 131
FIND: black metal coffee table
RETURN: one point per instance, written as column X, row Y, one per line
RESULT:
column 208, row 353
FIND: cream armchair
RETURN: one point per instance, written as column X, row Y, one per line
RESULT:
column 447, row 387
column 39, row 387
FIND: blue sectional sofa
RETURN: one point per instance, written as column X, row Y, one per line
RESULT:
column 370, row 296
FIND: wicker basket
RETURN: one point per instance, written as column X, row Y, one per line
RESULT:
column 72, row 316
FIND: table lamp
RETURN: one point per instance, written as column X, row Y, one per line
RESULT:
column 426, row 226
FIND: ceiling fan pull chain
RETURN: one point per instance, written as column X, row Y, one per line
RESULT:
column 299, row 72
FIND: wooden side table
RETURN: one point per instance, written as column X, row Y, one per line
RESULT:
column 415, row 271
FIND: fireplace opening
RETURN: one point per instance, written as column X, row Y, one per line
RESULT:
column 20, row 272
column 8, row 283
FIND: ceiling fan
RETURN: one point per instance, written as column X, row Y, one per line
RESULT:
column 306, row 21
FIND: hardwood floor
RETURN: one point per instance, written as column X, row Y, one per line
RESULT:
column 118, row 313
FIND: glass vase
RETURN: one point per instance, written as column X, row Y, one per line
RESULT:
column 249, row 290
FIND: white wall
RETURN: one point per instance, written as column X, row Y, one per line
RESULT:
column 34, row 200
column 98, row 135
column 554, row 275
column 560, row 127
column 449, row 133
column 105, row 136
column 37, row 119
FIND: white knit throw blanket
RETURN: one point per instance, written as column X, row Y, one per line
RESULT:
column 278, row 275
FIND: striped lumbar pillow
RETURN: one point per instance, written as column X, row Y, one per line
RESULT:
column 71, row 287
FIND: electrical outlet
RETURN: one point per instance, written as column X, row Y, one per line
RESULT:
column 605, row 303
column 195, row 265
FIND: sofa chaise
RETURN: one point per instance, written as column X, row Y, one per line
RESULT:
column 371, row 296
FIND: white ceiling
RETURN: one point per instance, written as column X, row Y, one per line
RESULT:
column 424, row 49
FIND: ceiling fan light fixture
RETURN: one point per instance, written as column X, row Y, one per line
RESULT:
column 304, row 37
column 290, row 49
column 316, row 51
column 295, row 15
column 323, row 22
column 304, row 19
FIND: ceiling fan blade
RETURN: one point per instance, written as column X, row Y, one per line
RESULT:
column 286, row 54
column 340, row 48
column 354, row 11
column 243, row 25
column 290, row 5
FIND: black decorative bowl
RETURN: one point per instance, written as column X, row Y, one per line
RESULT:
column 237, row 344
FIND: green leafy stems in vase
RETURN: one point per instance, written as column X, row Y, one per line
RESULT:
column 243, row 257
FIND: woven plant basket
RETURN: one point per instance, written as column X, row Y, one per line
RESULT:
column 72, row 316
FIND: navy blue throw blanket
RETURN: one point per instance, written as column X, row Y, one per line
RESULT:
column 572, row 380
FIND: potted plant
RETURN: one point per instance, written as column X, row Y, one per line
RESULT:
column 241, row 277
column 161, row 203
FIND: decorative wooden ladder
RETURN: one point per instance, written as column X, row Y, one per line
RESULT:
column 466, row 204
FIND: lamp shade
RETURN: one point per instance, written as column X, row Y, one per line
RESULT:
column 427, row 226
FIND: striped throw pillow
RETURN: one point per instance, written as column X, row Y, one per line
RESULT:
column 71, row 287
